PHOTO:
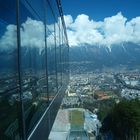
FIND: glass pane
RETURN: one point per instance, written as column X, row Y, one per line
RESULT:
column 51, row 55
column 33, row 63
column 9, row 92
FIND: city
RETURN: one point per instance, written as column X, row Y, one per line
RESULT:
column 93, row 94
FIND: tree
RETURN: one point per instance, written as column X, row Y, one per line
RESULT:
column 123, row 120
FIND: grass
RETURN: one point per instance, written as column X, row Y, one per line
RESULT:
column 76, row 117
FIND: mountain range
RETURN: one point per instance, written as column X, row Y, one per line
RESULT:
column 85, row 56
column 127, row 54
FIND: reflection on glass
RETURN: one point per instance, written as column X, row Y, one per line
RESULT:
column 42, row 61
column 33, row 64
column 51, row 55
column 9, row 92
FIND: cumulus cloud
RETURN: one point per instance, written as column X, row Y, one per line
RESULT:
column 112, row 30
column 8, row 40
column 32, row 35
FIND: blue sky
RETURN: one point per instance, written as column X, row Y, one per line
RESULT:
column 102, row 22
column 99, row 9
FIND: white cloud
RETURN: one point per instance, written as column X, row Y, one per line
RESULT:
column 32, row 33
column 112, row 30
column 8, row 40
